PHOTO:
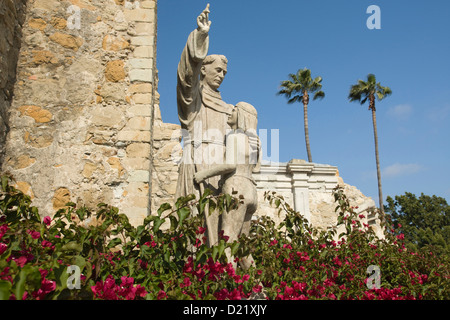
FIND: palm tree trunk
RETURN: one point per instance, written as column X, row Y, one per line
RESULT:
column 305, row 117
column 377, row 157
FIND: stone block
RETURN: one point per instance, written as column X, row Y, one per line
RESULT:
column 67, row 41
column 39, row 24
column 140, row 88
column 133, row 135
column 48, row 5
column 21, row 162
column 143, row 15
column 138, row 202
column 115, row 163
column 142, row 98
column 143, row 51
column 140, row 63
column 142, row 40
column 60, row 198
column 108, row 116
column 136, row 163
column 113, row 43
column 38, row 114
column 115, row 71
column 38, row 140
column 145, row 28
column 143, row 75
column 44, row 57
column 140, row 189
column 25, row 187
column 138, row 123
column 148, row 4
column 140, row 110
column 138, row 150
column 139, row 176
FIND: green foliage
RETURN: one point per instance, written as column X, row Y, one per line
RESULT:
column 167, row 257
column 299, row 84
column 368, row 90
column 424, row 221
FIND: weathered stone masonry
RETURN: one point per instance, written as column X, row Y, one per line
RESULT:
column 80, row 121
column 12, row 16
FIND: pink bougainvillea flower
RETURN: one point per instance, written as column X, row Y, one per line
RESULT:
column 47, row 220
column 200, row 230
column 140, row 291
column 401, row 236
column 3, row 229
column 235, row 295
column 161, row 295
column 3, row 248
column 186, row 282
column 34, row 234
column 21, row 261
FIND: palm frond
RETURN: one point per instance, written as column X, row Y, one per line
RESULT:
column 319, row 95
column 295, row 99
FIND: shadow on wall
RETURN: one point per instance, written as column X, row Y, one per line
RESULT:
column 12, row 17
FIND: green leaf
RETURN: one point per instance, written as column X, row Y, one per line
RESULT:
column 235, row 248
column 27, row 274
column 221, row 246
column 4, row 182
column 164, row 207
column 149, row 219
column 61, row 277
column 5, row 289
column 183, row 213
column 173, row 223
column 114, row 242
column 215, row 251
column 157, row 223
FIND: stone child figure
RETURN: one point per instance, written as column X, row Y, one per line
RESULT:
column 242, row 158
column 203, row 116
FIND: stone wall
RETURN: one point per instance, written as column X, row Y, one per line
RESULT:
column 82, row 115
column 12, row 16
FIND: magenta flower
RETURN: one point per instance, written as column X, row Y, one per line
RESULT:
column 3, row 248
column 34, row 234
column 21, row 261
column 161, row 295
column 47, row 220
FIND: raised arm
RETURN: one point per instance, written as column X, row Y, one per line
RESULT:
column 188, row 72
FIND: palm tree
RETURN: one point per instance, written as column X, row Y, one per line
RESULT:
column 368, row 90
column 297, row 89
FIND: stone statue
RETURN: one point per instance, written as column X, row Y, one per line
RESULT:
column 203, row 116
column 242, row 158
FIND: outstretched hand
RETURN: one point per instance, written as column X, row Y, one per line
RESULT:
column 203, row 22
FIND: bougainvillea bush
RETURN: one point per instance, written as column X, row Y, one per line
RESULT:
column 77, row 254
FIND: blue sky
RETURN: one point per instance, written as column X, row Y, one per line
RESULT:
column 264, row 41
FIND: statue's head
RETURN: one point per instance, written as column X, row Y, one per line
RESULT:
column 243, row 116
column 213, row 71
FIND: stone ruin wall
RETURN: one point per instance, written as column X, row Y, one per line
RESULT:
column 12, row 16
column 79, row 110
column 80, row 121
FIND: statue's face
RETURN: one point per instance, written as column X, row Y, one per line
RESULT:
column 233, row 119
column 214, row 73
